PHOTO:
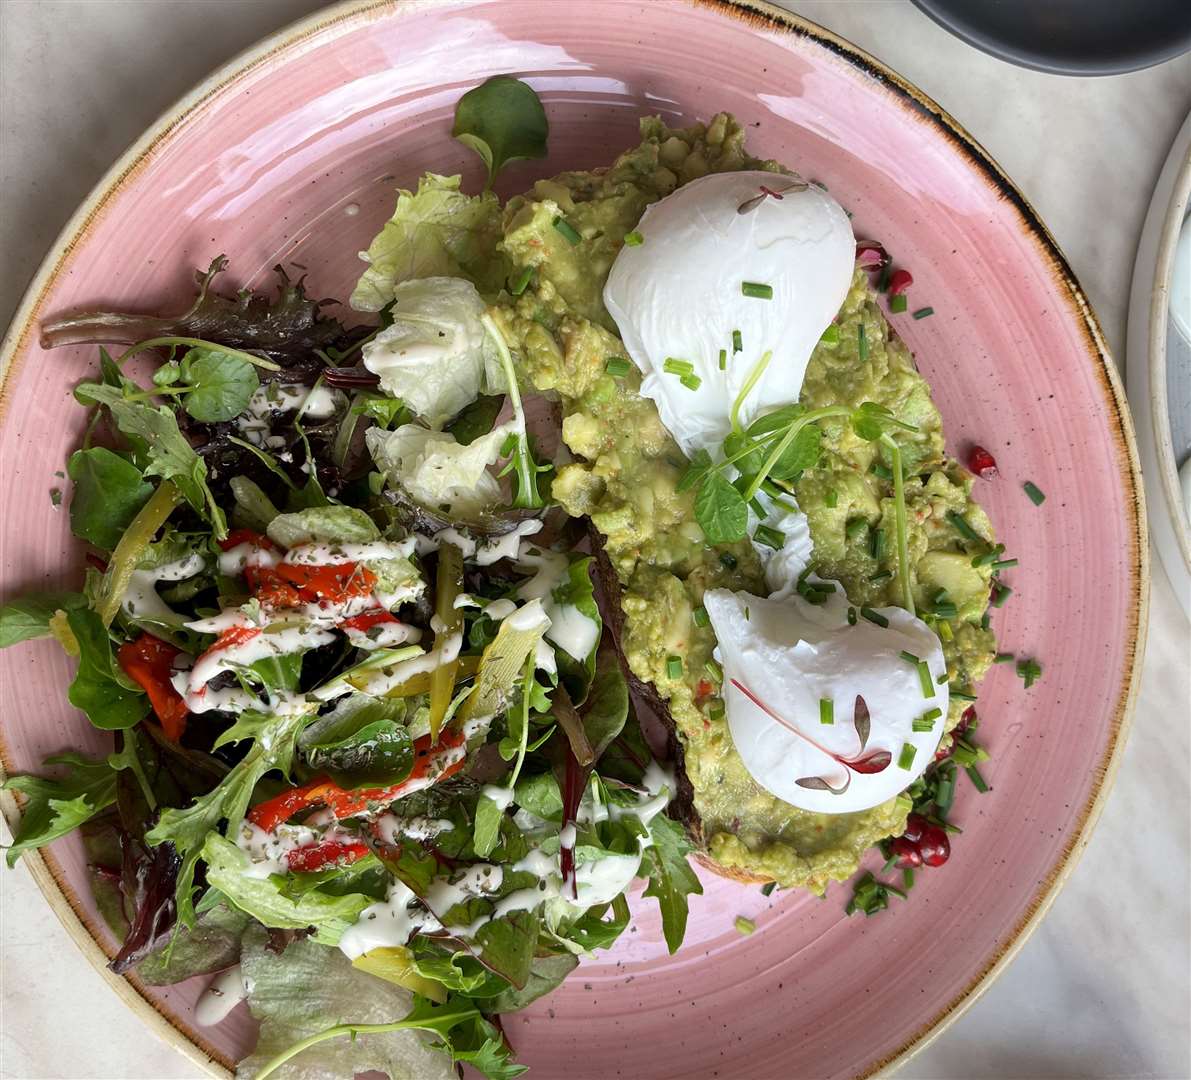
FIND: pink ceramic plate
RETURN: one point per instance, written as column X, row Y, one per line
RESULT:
column 266, row 161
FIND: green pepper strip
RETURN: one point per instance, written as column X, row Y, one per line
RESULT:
column 448, row 585
column 899, row 517
column 138, row 536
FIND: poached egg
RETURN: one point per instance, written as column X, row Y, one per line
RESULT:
column 681, row 294
column 793, row 656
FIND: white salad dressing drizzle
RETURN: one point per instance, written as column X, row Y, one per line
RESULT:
column 222, row 994
column 338, row 554
column 141, row 599
column 261, row 646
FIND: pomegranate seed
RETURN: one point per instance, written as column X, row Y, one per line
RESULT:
column 907, row 853
column 899, row 282
column 982, row 463
column 916, row 825
column 871, row 255
column 934, row 847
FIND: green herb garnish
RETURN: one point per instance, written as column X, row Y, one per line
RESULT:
column 826, row 711
column 924, row 312
column 502, row 120
column 1029, row 671
column 737, row 342
column 924, row 680
column 691, row 382
column 1034, row 492
column 617, row 366
column 1004, row 658
column 830, row 336
column 897, row 304
column 744, row 926
column 700, row 616
column 633, row 239
column 875, row 617
column 756, row 290
column 521, row 281
column 567, row 230
column 723, row 359
column 961, row 526
column 772, row 538
column 674, row 667
column 905, row 760
column 714, row 672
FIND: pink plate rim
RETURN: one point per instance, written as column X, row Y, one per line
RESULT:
column 762, row 16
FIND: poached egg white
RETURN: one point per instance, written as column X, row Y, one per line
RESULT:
column 678, row 295
column 793, row 655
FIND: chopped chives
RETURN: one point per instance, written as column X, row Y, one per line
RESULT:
column 961, row 526
column 909, row 657
column 1029, row 670
column 633, row 239
column 756, row 507
column 617, row 366
column 826, row 711
column 691, row 382
column 922, row 724
column 876, row 544
column 714, row 672
column 567, row 230
column 756, row 290
column 908, row 872
column 943, row 677
column 772, row 538
column 1000, row 593
column 701, row 617
column 925, row 680
column 905, row 760
column 716, row 713
column 1034, row 492
column 985, row 620
column 830, row 335
column 745, row 926
column 768, row 887
column 674, row 667
column 884, row 276
column 880, row 469
column 945, row 609
column 1004, row 658
column 855, row 527
column 874, row 617
column 989, row 557
column 944, row 631
column 962, row 695
column 924, row 312
column 737, row 342
column 882, row 575
column 931, row 714
column 978, row 781
column 831, row 498
column 723, row 359
column 945, row 792
column 1004, row 564
column 861, row 342
column 897, row 304
column 673, row 366
column 521, row 281
column 851, row 616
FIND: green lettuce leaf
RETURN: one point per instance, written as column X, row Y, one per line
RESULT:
column 28, row 617
column 323, row 525
column 546, row 973
column 310, row 988
column 56, row 807
column 212, row 944
column 573, row 599
column 435, row 232
column 230, row 871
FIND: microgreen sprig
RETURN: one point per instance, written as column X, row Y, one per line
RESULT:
column 525, row 468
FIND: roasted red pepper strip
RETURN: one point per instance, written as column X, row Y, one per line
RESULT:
column 325, row 854
column 321, row 791
column 149, row 662
column 245, row 536
column 269, row 588
column 368, row 619
column 334, row 583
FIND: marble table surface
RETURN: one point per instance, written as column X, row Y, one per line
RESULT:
column 1103, row 988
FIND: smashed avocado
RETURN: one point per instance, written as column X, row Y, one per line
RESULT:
column 628, row 467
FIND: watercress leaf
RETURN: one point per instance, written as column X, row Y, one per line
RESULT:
column 459, row 971
column 868, row 420
column 695, row 471
column 223, row 384
column 166, row 375
column 55, row 807
column 108, row 703
column 502, row 120
column 29, row 616
column 720, row 510
column 108, row 492
column 487, row 827
column 435, row 232
column 671, row 878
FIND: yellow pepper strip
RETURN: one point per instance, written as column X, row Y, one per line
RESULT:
column 394, row 963
column 449, row 620
column 138, row 536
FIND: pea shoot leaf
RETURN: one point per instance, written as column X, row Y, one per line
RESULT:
column 720, row 510
column 502, row 120
column 221, row 384
column 108, row 492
